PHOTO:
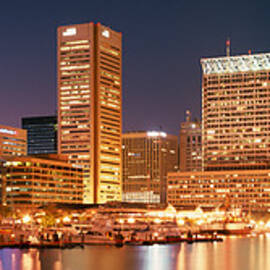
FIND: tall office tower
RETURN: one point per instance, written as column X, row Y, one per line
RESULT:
column 41, row 134
column 13, row 142
column 90, row 106
column 236, row 137
column 147, row 157
column 235, row 112
column 190, row 153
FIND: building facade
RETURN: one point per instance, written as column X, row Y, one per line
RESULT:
column 190, row 147
column 41, row 134
column 34, row 181
column 147, row 157
column 13, row 141
column 235, row 137
column 248, row 190
column 90, row 106
column 235, row 112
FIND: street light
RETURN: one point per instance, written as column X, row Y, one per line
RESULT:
column 26, row 219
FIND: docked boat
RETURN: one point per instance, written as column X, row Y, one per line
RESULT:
column 227, row 228
column 236, row 228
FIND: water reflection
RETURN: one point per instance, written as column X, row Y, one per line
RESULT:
column 235, row 253
column 232, row 254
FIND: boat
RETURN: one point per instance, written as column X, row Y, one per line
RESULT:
column 236, row 228
column 227, row 228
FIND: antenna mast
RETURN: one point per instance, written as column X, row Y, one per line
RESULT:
column 228, row 47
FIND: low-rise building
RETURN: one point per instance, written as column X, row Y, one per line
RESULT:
column 32, row 181
column 13, row 141
column 248, row 190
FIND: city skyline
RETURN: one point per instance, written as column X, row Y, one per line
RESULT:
column 176, row 29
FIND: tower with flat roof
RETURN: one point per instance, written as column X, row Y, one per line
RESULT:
column 90, row 106
column 41, row 134
column 235, row 137
column 235, row 112
column 147, row 157
column 13, row 142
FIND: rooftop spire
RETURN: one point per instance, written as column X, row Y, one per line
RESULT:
column 228, row 47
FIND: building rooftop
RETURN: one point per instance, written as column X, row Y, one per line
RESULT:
column 236, row 64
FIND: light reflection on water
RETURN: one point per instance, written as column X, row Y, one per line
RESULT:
column 231, row 254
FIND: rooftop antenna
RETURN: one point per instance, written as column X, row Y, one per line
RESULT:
column 188, row 116
column 228, row 47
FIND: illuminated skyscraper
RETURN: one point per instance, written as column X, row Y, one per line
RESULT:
column 235, row 137
column 147, row 157
column 90, row 106
column 235, row 112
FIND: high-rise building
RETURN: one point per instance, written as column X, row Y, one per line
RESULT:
column 32, row 181
column 13, row 141
column 41, row 134
column 147, row 157
column 235, row 137
column 190, row 148
column 90, row 106
column 235, row 114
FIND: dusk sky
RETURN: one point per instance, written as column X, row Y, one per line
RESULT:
column 163, row 42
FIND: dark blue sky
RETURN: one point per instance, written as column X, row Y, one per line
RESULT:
column 163, row 42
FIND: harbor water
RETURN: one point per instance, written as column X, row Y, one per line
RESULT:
column 231, row 254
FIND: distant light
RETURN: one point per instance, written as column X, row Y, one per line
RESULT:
column 66, row 219
column 105, row 33
column 26, row 219
column 156, row 134
column 121, row 221
column 157, row 220
column 70, row 32
column 131, row 220
column 199, row 222
column 7, row 131
column 180, row 221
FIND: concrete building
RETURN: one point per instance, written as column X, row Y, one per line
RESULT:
column 147, row 157
column 235, row 137
column 41, row 134
column 190, row 148
column 235, row 112
column 34, row 181
column 248, row 190
column 13, row 141
column 90, row 106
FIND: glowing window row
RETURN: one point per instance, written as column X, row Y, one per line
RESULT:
column 110, row 51
column 74, row 97
column 77, row 47
column 75, row 42
column 75, row 67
